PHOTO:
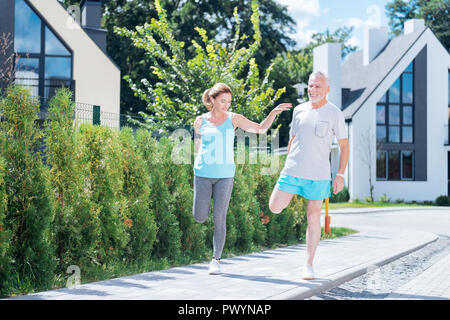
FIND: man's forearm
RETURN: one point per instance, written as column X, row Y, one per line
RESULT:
column 290, row 143
column 343, row 159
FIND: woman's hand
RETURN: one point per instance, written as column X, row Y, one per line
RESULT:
column 280, row 108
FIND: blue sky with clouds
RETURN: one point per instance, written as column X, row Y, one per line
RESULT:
column 314, row 16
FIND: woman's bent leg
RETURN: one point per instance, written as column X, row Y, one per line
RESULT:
column 202, row 198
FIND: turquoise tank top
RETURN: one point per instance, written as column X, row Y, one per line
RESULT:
column 215, row 157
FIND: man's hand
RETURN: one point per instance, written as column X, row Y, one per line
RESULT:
column 338, row 184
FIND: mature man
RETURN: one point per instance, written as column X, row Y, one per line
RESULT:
column 307, row 168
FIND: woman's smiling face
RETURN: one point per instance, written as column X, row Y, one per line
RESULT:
column 222, row 102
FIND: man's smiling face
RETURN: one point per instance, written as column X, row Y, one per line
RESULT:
column 318, row 88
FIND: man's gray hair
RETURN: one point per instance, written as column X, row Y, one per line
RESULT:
column 320, row 73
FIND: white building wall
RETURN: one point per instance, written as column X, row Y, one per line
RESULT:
column 97, row 79
column 438, row 62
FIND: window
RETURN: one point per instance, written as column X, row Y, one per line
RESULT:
column 381, row 165
column 45, row 63
column 27, row 29
column 407, row 165
column 395, row 110
column 395, row 129
column 395, row 165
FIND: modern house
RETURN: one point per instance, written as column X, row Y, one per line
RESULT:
column 56, row 47
column 396, row 101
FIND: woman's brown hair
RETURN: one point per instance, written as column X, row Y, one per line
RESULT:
column 213, row 92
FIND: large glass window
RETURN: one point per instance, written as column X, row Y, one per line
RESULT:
column 45, row 63
column 53, row 45
column 395, row 126
column 27, row 29
column 27, row 74
column 395, row 110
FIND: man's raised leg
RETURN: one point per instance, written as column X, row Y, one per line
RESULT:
column 279, row 200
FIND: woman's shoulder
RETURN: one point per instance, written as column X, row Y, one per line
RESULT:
column 203, row 115
column 198, row 120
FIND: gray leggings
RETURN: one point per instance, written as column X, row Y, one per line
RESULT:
column 220, row 189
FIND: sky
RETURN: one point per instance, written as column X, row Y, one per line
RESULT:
column 314, row 16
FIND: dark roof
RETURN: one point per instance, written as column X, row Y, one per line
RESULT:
column 358, row 81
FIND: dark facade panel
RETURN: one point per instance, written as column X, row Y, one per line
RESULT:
column 420, row 115
column 7, row 28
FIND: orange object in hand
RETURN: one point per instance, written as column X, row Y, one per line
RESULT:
column 327, row 228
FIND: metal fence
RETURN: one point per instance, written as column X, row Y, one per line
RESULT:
column 83, row 113
column 89, row 113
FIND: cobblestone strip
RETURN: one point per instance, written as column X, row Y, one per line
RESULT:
column 415, row 275
column 432, row 284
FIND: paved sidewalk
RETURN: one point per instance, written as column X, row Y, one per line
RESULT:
column 273, row 274
column 382, row 209
column 432, row 284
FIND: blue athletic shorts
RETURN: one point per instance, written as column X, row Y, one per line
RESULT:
column 309, row 189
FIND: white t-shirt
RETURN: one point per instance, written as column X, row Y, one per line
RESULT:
column 314, row 130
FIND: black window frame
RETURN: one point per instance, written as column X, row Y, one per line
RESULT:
column 387, row 146
column 386, row 103
column 386, row 159
column 43, row 55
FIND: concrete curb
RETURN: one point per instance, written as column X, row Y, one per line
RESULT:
column 341, row 277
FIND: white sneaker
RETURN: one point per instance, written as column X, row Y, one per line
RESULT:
column 214, row 267
column 308, row 272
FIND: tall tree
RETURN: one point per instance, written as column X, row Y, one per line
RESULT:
column 175, row 99
column 214, row 16
column 434, row 12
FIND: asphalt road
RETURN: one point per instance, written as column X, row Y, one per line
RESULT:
column 429, row 220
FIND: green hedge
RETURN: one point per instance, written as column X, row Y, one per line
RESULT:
column 107, row 200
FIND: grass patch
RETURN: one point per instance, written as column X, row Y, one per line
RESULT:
column 337, row 232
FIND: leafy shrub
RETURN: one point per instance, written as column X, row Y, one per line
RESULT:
column 30, row 205
column 157, row 157
column 76, row 225
column 443, row 201
column 384, row 198
column 343, row 196
column 5, row 234
column 139, row 219
column 101, row 152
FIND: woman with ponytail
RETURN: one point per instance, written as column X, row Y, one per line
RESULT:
column 214, row 166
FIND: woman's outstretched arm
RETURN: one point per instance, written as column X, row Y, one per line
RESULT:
column 239, row 121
